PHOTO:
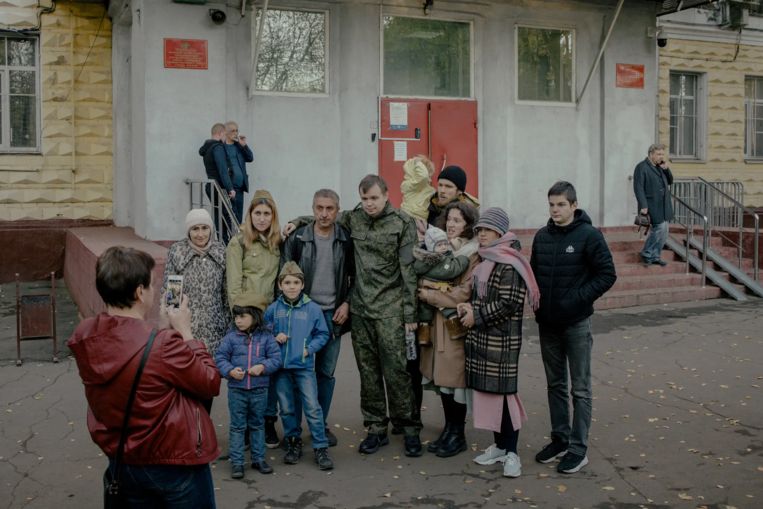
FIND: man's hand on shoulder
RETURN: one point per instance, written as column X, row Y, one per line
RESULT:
column 288, row 229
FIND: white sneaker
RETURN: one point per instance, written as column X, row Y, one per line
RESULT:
column 512, row 467
column 491, row 455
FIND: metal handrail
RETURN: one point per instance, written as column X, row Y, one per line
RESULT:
column 690, row 232
column 744, row 210
column 218, row 205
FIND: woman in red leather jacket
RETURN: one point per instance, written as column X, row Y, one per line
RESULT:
column 171, row 439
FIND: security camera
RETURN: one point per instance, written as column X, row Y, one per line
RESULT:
column 662, row 42
column 217, row 16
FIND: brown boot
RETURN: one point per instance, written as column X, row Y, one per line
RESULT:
column 424, row 334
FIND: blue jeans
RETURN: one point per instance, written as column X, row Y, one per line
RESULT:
column 168, row 486
column 658, row 235
column 300, row 383
column 247, row 413
column 271, row 408
column 325, row 366
column 237, row 204
column 560, row 347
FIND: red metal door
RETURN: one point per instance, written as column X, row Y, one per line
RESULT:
column 443, row 130
column 453, row 135
column 408, row 136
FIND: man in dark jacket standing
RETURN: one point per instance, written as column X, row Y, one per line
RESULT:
column 323, row 250
column 651, row 183
column 238, row 154
column 216, row 168
column 573, row 266
column 451, row 186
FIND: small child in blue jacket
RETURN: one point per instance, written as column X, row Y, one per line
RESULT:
column 301, row 330
column 247, row 356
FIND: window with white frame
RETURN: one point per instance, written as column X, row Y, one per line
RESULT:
column 19, row 96
column 427, row 57
column 293, row 51
column 686, row 126
column 753, row 117
column 545, row 64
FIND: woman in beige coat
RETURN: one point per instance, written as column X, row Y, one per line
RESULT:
column 442, row 362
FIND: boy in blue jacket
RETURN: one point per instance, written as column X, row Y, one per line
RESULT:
column 300, row 329
column 247, row 356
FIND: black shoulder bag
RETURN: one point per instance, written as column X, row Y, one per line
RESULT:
column 113, row 495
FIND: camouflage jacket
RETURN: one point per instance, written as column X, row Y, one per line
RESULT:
column 385, row 282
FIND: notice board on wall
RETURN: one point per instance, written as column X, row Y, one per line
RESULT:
column 629, row 76
column 185, row 54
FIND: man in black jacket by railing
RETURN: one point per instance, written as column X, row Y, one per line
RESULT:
column 573, row 267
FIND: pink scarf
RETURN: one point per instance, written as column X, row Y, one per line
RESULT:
column 501, row 252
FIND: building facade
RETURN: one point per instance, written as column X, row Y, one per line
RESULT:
column 55, row 111
column 711, row 95
column 519, row 93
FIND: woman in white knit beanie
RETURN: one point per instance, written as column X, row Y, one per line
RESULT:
column 200, row 259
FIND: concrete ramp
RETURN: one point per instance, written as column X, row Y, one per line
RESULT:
column 85, row 245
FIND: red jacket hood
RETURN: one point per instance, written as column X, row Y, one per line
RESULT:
column 108, row 343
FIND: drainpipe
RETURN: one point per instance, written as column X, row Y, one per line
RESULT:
column 601, row 52
column 256, row 48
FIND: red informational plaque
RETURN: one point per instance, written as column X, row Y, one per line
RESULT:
column 629, row 76
column 185, row 54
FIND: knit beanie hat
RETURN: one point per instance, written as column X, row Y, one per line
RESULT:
column 250, row 300
column 291, row 269
column 434, row 236
column 455, row 174
column 495, row 219
column 260, row 194
column 198, row 216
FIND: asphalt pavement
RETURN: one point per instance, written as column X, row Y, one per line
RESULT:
column 678, row 423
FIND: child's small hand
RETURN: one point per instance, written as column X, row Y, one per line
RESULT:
column 282, row 338
column 257, row 370
column 237, row 373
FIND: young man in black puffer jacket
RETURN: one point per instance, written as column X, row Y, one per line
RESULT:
column 573, row 266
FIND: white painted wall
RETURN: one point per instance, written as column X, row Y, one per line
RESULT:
column 303, row 143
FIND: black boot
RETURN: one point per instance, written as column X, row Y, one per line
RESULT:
column 433, row 446
column 271, row 436
column 454, row 441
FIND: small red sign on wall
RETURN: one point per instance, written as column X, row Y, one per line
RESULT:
column 629, row 76
column 185, row 54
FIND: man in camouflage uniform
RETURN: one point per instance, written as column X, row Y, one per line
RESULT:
column 383, row 307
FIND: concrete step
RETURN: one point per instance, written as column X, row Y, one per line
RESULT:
column 629, row 298
column 657, row 280
column 625, row 270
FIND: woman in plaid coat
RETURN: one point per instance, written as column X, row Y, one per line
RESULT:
column 494, row 315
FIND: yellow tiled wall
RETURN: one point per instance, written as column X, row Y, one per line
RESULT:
column 725, row 70
column 72, row 176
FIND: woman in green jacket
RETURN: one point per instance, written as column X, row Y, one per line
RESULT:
column 251, row 260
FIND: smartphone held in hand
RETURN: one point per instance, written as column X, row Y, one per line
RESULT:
column 174, row 294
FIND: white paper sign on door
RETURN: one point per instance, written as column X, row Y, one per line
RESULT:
column 398, row 116
column 401, row 151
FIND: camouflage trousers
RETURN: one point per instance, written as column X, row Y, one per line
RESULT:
column 379, row 347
